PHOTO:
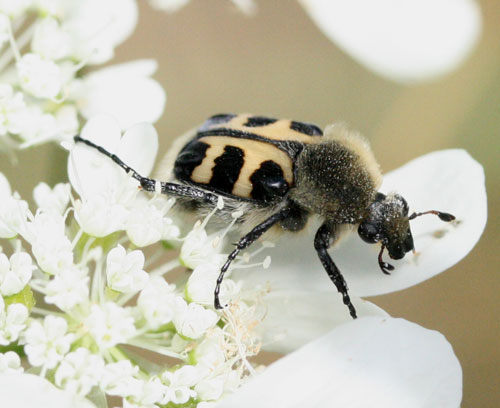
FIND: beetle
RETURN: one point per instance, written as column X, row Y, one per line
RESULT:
column 280, row 173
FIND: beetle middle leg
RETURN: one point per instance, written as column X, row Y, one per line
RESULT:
column 245, row 242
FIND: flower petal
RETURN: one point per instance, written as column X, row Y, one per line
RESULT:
column 372, row 361
column 296, row 318
column 86, row 167
column 124, row 91
column 28, row 390
column 403, row 40
column 138, row 147
column 437, row 180
column 98, row 27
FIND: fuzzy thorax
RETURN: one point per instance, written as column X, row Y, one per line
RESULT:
column 337, row 178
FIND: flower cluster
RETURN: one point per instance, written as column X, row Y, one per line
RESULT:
column 88, row 261
column 44, row 90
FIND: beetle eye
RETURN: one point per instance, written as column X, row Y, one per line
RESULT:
column 368, row 232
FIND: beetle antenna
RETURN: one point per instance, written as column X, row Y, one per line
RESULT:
column 442, row 215
column 112, row 156
column 386, row 267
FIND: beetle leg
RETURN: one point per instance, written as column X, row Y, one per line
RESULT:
column 245, row 242
column 325, row 236
column 384, row 266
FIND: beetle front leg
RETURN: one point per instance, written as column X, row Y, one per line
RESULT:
column 324, row 238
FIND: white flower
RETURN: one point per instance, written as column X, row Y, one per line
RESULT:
column 372, row 361
column 110, row 324
column 99, row 217
column 119, row 379
column 50, row 245
column 12, row 321
column 35, row 126
column 199, row 248
column 403, row 40
column 40, row 77
column 201, row 285
column 50, row 41
column 52, row 200
column 29, row 390
column 124, row 270
column 97, row 27
column 438, row 181
column 13, row 211
column 210, row 353
column 91, row 173
column 125, row 91
column 11, row 106
column 179, row 383
column 15, row 273
column 110, row 201
column 156, row 302
column 67, row 124
column 79, row 371
column 147, row 223
column 13, row 214
column 152, row 393
column 10, row 363
column 193, row 320
column 47, row 47
column 212, row 388
column 68, row 288
column 47, row 343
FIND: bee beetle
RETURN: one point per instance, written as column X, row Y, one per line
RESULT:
column 280, row 173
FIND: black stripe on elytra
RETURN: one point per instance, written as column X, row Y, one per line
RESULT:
column 257, row 121
column 268, row 182
column 217, row 120
column 189, row 158
column 227, row 169
column 306, row 128
column 290, row 147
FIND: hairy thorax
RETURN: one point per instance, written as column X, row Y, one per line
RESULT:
column 332, row 180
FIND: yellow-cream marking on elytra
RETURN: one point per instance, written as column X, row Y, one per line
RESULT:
column 254, row 152
column 203, row 172
column 279, row 130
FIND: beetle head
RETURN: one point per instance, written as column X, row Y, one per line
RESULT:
column 387, row 222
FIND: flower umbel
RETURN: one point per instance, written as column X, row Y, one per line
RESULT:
column 108, row 295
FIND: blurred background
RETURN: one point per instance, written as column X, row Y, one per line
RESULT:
column 214, row 59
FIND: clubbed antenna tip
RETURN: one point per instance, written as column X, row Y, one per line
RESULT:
column 442, row 215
